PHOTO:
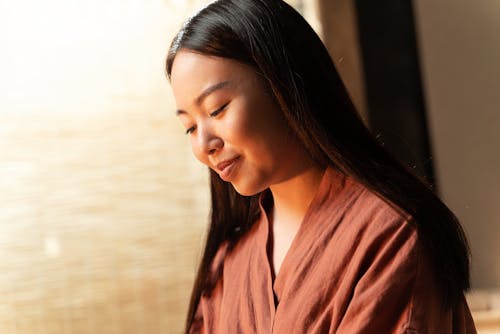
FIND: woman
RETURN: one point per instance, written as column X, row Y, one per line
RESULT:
column 314, row 227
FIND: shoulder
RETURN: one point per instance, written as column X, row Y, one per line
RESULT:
column 395, row 269
column 370, row 219
column 386, row 238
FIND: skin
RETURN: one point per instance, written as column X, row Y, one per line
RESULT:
column 230, row 116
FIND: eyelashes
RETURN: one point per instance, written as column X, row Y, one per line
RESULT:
column 219, row 110
column 212, row 114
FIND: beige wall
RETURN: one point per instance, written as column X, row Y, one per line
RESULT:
column 340, row 35
column 460, row 53
column 102, row 206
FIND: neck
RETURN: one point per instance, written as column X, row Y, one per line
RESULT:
column 293, row 196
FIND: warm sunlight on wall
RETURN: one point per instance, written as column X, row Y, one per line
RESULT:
column 62, row 52
column 102, row 207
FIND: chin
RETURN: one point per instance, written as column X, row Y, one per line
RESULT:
column 247, row 189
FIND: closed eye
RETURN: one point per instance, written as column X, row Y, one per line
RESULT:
column 212, row 114
column 219, row 110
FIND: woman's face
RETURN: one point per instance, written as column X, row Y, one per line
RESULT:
column 235, row 127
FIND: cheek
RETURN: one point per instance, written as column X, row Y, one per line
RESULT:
column 197, row 153
column 240, row 127
column 259, row 135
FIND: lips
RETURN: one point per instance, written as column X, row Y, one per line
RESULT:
column 226, row 167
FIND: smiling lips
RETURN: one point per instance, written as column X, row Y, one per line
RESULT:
column 226, row 167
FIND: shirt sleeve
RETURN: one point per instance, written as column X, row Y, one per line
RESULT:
column 397, row 290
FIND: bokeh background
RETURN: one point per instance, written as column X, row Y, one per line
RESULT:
column 102, row 207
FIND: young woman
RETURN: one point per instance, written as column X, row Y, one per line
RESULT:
column 314, row 227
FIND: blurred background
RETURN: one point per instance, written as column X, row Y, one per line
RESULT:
column 102, row 207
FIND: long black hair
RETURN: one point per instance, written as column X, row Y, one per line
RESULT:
column 274, row 39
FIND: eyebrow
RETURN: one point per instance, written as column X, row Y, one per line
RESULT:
column 205, row 94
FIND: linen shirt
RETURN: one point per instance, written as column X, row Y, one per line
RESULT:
column 356, row 265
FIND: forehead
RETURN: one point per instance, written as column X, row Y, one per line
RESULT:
column 193, row 72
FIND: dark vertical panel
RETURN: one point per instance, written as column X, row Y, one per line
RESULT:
column 392, row 81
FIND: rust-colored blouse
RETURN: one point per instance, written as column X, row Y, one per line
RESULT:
column 355, row 266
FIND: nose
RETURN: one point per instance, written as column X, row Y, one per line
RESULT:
column 209, row 142
column 213, row 145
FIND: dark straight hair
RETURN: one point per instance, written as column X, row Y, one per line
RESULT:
column 274, row 39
